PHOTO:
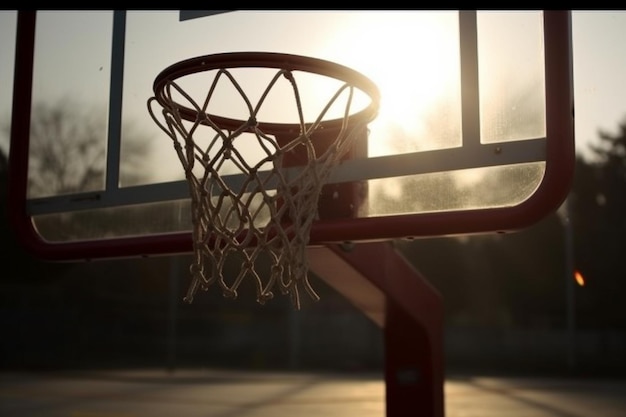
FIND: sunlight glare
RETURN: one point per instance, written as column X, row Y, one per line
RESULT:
column 413, row 58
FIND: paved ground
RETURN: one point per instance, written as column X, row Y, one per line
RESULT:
column 233, row 394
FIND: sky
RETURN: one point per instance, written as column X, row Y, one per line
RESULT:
column 599, row 73
column 599, row 65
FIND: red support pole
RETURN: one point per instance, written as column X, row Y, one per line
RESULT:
column 413, row 374
column 388, row 289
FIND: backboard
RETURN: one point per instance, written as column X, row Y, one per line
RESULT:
column 474, row 132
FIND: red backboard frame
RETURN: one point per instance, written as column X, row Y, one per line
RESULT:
column 560, row 157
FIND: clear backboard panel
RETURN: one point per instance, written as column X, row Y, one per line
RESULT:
column 474, row 132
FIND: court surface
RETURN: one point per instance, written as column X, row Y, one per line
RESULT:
column 205, row 393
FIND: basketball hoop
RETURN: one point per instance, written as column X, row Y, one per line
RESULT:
column 272, row 209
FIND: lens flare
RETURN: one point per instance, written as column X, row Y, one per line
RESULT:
column 580, row 280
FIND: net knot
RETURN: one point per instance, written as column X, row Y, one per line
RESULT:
column 264, row 297
column 288, row 75
column 230, row 293
column 252, row 122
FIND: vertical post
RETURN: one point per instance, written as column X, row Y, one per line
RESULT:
column 389, row 290
column 114, row 135
column 413, row 374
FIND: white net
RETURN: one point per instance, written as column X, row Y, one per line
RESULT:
column 246, row 205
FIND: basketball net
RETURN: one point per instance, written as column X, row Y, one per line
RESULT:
column 272, row 209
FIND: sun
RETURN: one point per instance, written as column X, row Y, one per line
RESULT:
column 412, row 56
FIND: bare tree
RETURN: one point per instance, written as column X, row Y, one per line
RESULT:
column 68, row 149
